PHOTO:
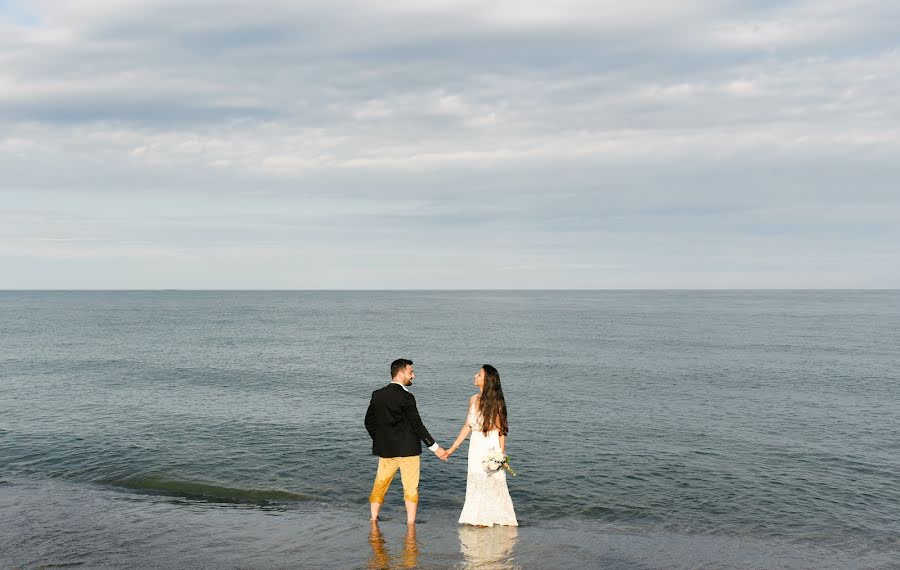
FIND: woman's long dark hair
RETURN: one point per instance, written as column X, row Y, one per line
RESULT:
column 493, row 404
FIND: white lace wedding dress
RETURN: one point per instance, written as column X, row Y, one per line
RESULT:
column 487, row 496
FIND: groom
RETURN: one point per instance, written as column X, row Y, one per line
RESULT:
column 393, row 422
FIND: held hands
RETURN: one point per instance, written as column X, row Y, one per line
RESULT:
column 445, row 454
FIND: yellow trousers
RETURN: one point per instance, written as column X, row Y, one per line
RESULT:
column 409, row 475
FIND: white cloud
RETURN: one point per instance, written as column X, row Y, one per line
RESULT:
column 372, row 109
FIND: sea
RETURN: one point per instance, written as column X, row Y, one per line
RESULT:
column 648, row 429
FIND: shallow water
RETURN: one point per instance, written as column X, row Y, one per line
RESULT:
column 63, row 524
column 767, row 418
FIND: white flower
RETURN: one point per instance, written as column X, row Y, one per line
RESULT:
column 494, row 460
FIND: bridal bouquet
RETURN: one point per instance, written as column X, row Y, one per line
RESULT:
column 495, row 460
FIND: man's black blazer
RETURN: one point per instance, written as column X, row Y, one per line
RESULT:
column 393, row 422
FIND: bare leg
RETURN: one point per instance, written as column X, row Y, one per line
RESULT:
column 411, row 512
column 374, row 508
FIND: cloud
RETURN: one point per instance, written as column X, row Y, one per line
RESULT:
column 559, row 138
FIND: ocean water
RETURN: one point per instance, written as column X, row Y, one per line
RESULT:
column 649, row 429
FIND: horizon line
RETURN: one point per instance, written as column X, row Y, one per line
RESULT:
column 179, row 289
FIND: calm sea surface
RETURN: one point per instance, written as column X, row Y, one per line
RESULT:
column 761, row 416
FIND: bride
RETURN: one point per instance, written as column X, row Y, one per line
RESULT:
column 487, row 497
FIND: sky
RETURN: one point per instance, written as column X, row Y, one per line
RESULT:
column 436, row 144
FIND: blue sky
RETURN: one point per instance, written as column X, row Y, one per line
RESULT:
column 438, row 144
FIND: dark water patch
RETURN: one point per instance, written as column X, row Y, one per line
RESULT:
column 206, row 492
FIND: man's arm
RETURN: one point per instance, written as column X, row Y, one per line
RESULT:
column 370, row 421
column 415, row 421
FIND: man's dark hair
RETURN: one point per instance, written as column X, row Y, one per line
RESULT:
column 398, row 365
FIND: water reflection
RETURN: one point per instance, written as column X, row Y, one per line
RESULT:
column 381, row 557
column 489, row 548
column 410, row 548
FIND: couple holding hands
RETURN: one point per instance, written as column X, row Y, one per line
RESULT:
column 393, row 422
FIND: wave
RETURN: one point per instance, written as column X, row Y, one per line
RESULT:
column 203, row 491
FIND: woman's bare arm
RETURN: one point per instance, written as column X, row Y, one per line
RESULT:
column 464, row 432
